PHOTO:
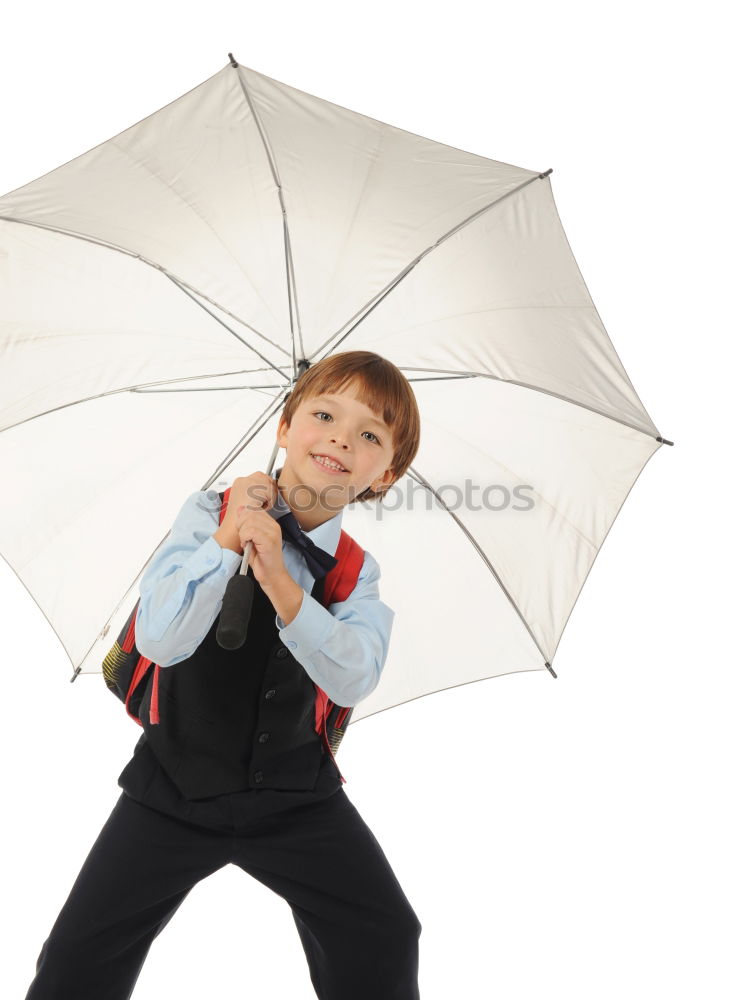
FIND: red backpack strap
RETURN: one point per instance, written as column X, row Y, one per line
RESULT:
column 340, row 582
column 224, row 505
column 339, row 585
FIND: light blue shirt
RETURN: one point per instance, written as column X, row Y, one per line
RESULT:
column 343, row 648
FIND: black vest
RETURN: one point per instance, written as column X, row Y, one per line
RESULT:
column 237, row 719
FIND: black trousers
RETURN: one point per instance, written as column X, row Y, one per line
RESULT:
column 358, row 930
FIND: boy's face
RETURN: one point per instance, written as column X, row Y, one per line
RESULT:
column 341, row 427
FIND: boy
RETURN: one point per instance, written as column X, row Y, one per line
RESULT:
column 234, row 771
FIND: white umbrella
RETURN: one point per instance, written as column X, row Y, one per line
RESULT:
column 160, row 292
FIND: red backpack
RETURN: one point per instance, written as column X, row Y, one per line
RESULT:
column 126, row 672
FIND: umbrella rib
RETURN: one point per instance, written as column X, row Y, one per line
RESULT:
column 292, row 300
column 158, row 267
column 142, row 387
column 182, row 287
column 262, row 421
column 238, row 448
column 449, row 687
column 535, row 388
column 599, row 547
column 422, row 482
column 444, row 375
column 387, row 289
column 225, row 388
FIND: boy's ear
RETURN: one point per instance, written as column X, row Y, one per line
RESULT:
column 383, row 481
column 282, row 429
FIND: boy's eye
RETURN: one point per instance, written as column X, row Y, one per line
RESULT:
column 324, row 413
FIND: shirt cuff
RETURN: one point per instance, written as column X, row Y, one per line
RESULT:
column 210, row 558
column 309, row 630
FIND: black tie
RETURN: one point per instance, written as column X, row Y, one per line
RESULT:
column 319, row 562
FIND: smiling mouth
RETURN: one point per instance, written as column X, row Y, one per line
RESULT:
column 324, row 465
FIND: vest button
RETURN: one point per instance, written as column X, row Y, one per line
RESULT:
column 258, row 776
column 263, row 737
column 270, row 693
column 281, row 653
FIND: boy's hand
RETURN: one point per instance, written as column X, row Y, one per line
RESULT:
column 246, row 518
column 255, row 492
column 266, row 559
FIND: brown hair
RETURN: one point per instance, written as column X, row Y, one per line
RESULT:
column 379, row 385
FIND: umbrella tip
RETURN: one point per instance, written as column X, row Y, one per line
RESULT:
column 231, row 57
column 663, row 440
column 553, row 672
column 545, row 173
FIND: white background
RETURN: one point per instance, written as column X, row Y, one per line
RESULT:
column 557, row 838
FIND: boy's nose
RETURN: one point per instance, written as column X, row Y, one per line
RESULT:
column 340, row 449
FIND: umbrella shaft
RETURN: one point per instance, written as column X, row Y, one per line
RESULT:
column 247, row 550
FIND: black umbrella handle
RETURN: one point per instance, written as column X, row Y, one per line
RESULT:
column 233, row 622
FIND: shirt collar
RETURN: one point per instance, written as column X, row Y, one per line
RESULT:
column 325, row 535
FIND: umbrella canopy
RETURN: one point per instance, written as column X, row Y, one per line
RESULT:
column 159, row 292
